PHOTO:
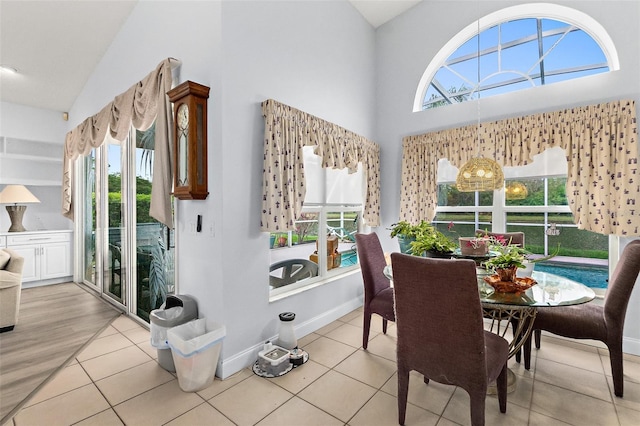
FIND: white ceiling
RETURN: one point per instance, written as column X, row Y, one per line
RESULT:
column 56, row 45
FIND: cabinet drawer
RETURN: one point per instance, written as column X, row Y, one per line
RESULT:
column 3, row 242
column 22, row 239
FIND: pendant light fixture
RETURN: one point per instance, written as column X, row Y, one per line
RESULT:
column 515, row 191
column 479, row 173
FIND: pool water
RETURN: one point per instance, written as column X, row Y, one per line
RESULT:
column 590, row 275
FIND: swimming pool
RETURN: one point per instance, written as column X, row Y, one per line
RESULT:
column 593, row 276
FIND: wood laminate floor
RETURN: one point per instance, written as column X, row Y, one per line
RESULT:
column 55, row 322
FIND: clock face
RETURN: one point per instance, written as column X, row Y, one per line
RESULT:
column 183, row 116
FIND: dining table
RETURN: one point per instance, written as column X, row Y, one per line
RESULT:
column 500, row 309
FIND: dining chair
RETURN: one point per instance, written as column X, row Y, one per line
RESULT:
column 378, row 294
column 590, row 321
column 513, row 237
column 441, row 332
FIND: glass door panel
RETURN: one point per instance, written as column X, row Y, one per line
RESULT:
column 89, row 220
column 114, row 277
column 154, row 242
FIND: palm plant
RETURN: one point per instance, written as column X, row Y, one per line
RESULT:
column 157, row 275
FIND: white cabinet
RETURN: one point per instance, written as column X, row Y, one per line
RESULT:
column 47, row 255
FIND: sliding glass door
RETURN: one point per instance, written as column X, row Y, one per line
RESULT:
column 127, row 255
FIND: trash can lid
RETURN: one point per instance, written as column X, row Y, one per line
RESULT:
column 287, row 316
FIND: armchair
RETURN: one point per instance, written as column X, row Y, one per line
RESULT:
column 10, row 288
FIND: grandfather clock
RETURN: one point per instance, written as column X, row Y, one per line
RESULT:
column 190, row 140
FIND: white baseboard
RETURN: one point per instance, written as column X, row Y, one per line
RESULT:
column 247, row 357
column 631, row 346
column 40, row 283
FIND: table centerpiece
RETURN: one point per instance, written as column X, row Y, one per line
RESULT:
column 505, row 265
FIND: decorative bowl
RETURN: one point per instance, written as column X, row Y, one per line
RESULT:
column 519, row 285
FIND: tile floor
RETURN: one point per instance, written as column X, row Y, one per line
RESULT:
column 116, row 380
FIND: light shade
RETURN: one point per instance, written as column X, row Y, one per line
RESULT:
column 515, row 191
column 17, row 194
column 480, row 174
column 14, row 194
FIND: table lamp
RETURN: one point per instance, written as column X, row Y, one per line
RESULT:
column 14, row 194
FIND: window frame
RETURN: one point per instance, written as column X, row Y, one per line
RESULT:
column 324, row 275
column 323, row 183
column 500, row 209
column 551, row 11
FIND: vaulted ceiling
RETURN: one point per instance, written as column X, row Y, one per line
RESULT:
column 56, row 45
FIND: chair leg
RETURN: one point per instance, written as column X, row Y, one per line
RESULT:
column 365, row 329
column 615, row 354
column 514, row 325
column 477, row 401
column 384, row 326
column 537, row 334
column 527, row 352
column 403, row 392
column 502, row 384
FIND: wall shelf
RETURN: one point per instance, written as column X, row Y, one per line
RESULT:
column 30, row 162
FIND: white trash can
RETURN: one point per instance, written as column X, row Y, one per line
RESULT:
column 195, row 347
column 176, row 310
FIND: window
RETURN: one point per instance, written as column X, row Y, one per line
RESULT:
column 514, row 49
column 325, row 231
column 543, row 214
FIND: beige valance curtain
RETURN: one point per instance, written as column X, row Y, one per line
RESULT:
column 287, row 131
column 600, row 142
column 141, row 105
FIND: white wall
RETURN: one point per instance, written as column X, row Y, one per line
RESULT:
column 323, row 58
column 296, row 53
column 35, row 124
column 315, row 56
column 405, row 46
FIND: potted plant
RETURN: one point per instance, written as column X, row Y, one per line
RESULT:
column 282, row 240
column 507, row 262
column 510, row 257
column 473, row 246
column 406, row 233
column 432, row 243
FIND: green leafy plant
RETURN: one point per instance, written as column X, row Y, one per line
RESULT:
column 430, row 239
column 403, row 229
column 511, row 255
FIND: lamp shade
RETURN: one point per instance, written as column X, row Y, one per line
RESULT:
column 17, row 194
column 480, row 174
column 516, row 191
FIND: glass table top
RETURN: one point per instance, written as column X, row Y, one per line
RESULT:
column 550, row 290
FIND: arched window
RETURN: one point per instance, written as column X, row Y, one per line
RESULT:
column 513, row 49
